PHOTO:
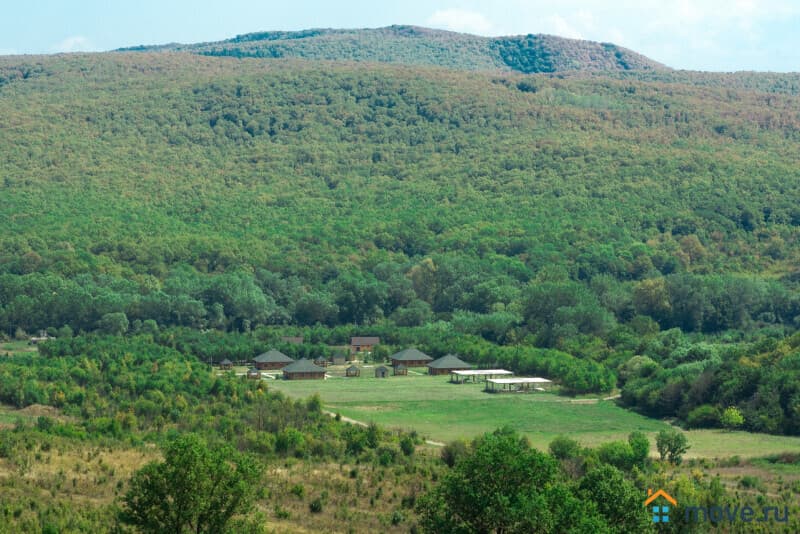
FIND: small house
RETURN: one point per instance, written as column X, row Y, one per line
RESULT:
column 303, row 370
column 411, row 358
column 400, row 370
column 382, row 372
column 254, row 373
column 272, row 359
column 363, row 344
column 448, row 363
column 320, row 361
column 352, row 371
column 226, row 365
column 339, row 359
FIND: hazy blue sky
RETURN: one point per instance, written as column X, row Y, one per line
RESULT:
column 720, row 35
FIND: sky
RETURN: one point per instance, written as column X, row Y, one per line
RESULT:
column 714, row 35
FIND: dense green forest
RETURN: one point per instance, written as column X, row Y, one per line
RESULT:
column 614, row 230
column 413, row 45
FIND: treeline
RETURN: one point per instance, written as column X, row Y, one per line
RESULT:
column 696, row 381
column 476, row 298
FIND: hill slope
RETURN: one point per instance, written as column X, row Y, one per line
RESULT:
column 412, row 45
column 136, row 166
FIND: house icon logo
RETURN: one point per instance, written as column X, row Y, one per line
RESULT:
column 660, row 512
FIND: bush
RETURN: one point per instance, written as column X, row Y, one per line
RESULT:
column 563, row 447
column 640, row 446
column 315, row 506
column 731, row 418
column 704, row 416
column 616, row 453
column 407, row 445
column 453, row 451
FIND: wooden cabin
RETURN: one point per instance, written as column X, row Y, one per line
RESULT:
column 272, row 359
column 411, row 358
column 363, row 344
column 303, row 370
column 448, row 363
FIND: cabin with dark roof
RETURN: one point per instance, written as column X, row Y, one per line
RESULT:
column 226, row 365
column 352, row 371
column 382, row 372
column 400, row 370
column 254, row 373
column 272, row 359
column 448, row 363
column 303, row 370
column 363, row 344
column 411, row 358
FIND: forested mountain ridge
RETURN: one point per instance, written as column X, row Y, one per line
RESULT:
column 412, row 45
column 648, row 228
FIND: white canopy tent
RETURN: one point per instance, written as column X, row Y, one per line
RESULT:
column 474, row 374
column 498, row 385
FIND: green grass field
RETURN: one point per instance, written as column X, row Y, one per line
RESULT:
column 9, row 348
column 442, row 411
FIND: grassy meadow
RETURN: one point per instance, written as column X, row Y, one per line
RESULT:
column 442, row 411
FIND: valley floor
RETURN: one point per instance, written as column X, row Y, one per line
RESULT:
column 441, row 411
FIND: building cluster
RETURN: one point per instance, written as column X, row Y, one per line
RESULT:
column 305, row 369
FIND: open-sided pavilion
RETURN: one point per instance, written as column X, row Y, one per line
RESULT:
column 459, row 377
column 513, row 385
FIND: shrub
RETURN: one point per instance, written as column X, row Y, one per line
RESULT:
column 315, row 506
column 563, row 447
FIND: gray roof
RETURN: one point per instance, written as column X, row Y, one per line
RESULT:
column 400, row 366
column 273, row 356
column 353, row 368
column 449, row 362
column 382, row 368
column 411, row 355
column 226, row 361
column 303, row 366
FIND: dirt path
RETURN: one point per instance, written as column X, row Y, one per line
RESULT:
column 362, row 423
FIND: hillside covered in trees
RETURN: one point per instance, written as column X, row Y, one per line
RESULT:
column 643, row 225
column 413, row 45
